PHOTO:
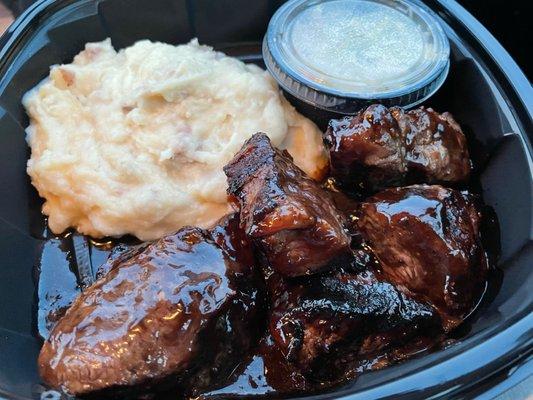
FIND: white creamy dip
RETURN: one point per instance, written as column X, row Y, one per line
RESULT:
column 367, row 42
column 133, row 142
column 340, row 55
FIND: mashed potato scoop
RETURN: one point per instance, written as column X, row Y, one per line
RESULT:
column 134, row 141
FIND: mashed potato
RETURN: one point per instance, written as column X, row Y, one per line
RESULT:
column 133, row 142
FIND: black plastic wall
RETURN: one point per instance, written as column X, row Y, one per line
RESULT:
column 485, row 91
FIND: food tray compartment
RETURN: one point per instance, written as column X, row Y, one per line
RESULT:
column 477, row 92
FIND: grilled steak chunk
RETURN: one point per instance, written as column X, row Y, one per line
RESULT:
column 379, row 148
column 289, row 216
column 152, row 317
column 367, row 150
column 427, row 241
column 436, row 148
column 314, row 317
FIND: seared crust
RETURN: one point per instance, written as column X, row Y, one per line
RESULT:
column 289, row 216
column 367, row 150
column 312, row 320
column 380, row 147
column 427, row 241
column 144, row 321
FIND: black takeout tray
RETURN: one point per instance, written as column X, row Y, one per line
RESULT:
column 485, row 90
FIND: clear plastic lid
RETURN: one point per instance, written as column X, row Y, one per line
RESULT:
column 339, row 55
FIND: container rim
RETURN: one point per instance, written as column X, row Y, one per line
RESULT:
column 488, row 354
column 301, row 73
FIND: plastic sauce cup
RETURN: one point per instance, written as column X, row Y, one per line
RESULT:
column 341, row 55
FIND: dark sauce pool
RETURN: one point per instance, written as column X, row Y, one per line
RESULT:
column 68, row 264
column 71, row 262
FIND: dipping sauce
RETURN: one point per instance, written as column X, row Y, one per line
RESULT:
column 369, row 43
column 339, row 54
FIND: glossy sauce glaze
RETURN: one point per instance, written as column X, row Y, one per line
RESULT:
column 148, row 316
column 264, row 371
column 290, row 218
column 382, row 147
column 267, row 369
column 68, row 263
column 426, row 238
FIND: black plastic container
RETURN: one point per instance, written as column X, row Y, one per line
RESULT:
column 485, row 91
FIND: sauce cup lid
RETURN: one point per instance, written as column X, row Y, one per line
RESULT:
column 340, row 55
